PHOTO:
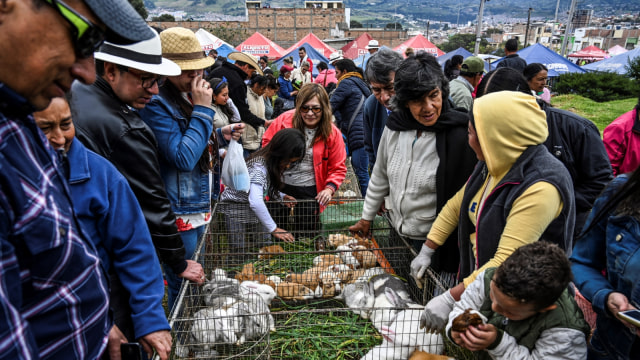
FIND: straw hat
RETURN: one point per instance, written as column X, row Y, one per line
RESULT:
column 181, row 46
column 245, row 58
column 335, row 57
column 144, row 55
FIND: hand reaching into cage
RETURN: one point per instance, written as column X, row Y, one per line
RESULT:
column 436, row 312
column 361, row 228
column 283, row 235
column 193, row 273
column 289, row 201
column 421, row 262
column 324, row 196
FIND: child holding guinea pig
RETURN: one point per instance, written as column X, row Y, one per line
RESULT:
column 527, row 309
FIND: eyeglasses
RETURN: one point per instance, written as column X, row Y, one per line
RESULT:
column 148, row 80
column 87, row 37
column 305, row 109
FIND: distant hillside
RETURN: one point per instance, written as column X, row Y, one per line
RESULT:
column 454, row 11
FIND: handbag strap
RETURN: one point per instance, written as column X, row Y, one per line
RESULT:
column 353, row 117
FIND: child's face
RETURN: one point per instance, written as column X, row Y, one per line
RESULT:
column 509, row 307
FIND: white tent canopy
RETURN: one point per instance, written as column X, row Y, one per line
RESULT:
column 208, row 41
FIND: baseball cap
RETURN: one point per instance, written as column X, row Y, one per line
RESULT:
column 124, row 24
column 472, row 64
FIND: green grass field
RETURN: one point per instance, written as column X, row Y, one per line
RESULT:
column 600, row 113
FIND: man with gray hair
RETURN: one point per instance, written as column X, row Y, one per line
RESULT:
column 380, row 72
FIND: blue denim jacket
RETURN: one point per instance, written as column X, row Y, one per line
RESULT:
column 611, row 245
column 181, row 142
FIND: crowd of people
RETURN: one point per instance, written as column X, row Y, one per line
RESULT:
column 111, row 164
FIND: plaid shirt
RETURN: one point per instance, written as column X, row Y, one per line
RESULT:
column 53, row 291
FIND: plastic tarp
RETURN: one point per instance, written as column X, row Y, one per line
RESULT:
column 538, row 53
column 617, row 50
column 313, row 41
column 419, row 43
column 356, row 47
column 208, row 41
column 225, row 50
column 614, row 64
column 314, row 55
column 259, row 45
column 459, row 51
column 590, row 52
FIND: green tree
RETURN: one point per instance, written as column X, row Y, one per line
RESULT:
column 140, row 8
column 164, row 17
column 633, row 68
column 466, row 41
column 493, row 31
column 355, row 24
column 393, row 26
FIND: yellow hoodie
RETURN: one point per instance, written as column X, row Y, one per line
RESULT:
column 507, row 123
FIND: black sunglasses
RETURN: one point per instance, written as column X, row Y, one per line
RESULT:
column 148, row 80
column 86, row 36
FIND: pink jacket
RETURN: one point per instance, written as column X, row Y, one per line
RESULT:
column 329, row 74
column 622, row 142
column 328, row 157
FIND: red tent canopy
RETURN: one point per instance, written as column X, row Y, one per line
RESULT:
column 419, row 43
column 356, row 47
column 258, row 45
column 590, row 52
column 324, row 49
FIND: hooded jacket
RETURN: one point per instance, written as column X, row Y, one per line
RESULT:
column 622, row 141
column 518, row 195
column 344, row 103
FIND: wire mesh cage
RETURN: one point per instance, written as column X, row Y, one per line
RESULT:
column 329, row 290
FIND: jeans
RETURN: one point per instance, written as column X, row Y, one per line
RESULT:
column 190, row 239
column 360, row 163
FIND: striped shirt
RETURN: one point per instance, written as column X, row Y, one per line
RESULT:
column 53, row 291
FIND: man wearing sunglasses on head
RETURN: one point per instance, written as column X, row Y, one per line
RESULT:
column 53, row 292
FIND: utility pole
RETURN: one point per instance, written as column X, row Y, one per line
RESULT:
column 427, row 29
column 568, row 29
column 555, row 19
column 526, row 33
column 479, row 28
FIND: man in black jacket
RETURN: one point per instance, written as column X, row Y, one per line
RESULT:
column 236, row 74
column 512, row 59
column 107, row 123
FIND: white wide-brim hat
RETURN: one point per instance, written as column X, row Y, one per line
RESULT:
column 145, row 55
column 373, row 44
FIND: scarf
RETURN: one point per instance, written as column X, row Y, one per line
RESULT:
column 402, row 120
column 350, row 74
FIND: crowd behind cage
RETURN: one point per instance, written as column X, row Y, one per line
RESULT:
column 482, row 221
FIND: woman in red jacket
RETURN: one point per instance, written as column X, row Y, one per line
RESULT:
column 321, row 171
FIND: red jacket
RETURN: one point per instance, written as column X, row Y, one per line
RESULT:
column 622, row 142
column 326, row 77
column 328, row 157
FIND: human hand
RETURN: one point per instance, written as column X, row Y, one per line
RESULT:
column 294, row 93
column 268, row 123
column 324, row 196
column 115, row 339
column 436, row 312
column 420, row 263
column 361, row 228
column 201, row 92
column 193, row 273
column 382, row 209
column 617, row 302
column 283, row 235
column 233, row 131
column 476, row 338
column 160, row 341
column 289, row 201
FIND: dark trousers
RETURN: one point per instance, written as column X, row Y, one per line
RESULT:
column 305, row 218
